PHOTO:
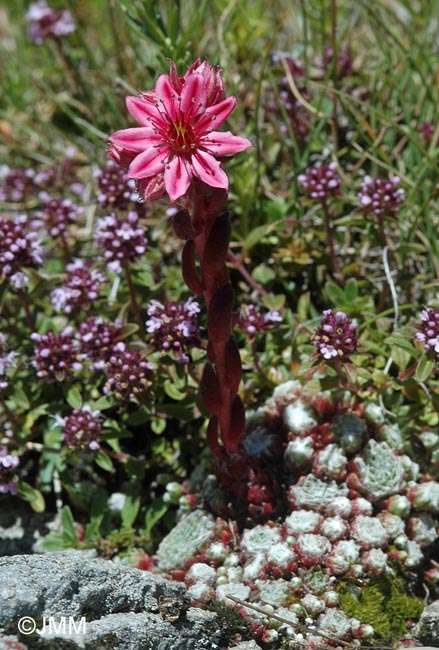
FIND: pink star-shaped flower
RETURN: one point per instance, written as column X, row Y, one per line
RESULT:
column 176, row 140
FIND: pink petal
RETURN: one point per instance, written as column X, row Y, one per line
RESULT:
column 149, row 96
column 224, row 143
column 135, row 139
column 217, row 114
column 148, row 163
column 193, row 97
column 208, row 170
column 192, row 68
column 121, row 156
column 166, row 97
column 152, row 188
column 177, row 178
column 144, row 112
column 175, row 78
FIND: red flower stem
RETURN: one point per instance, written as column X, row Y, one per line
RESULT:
column 211, row 284
column 29, row 318
column 207, row 236
column 382, row 232
column 256, row 364
column 245, row 274
column 65, row 247
column 330, row 236
column 133, row 300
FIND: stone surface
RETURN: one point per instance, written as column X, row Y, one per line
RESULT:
column 123, row 606
column 427, row 628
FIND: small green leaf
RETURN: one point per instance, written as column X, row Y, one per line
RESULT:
column 74, row 397
column 303, row 306
column 155, row 512
column 130, row 511
column 255, row 236
column 424, row 369
column 128, row 329
column 351, row 372
column 138, row 417
column 92, row 528
column 158, row 425
column 68, row 524
column 54, row 542
column 335, row 294
column 351, row 290
column 263, row 274
column 99, row 503
column 274, row 302
column 104, row 461
column 20, row 399
column 401, row 357
column 401, row 343
column 172, row 391
column 103, row 403
column 32, row 495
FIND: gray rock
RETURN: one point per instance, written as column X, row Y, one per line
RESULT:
column 427, row 628
column 69, row 583
column 123, row 607
column 141, row 631
column 246, row 645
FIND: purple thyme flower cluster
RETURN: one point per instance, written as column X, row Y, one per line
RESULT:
column 336, row 337
column 17, row 184
column 343, row 65
column 7, row 360
column 427, row 129
column 114, row 190
column 44, row 22
column 8, row 463
column 128, row 373
column 122, row 240
column 429, row 329
column 55, row 355
column 81, row 288
column 174, row 326
column 252, row 322
column 380, row 195
column 81, row 429
column 57, row 215
column 321, row 182
column 97, row 338
column 18, row 249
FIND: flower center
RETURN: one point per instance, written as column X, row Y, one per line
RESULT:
column 181, row 138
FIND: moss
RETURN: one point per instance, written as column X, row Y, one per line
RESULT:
column 229, row 622
column 384, row 604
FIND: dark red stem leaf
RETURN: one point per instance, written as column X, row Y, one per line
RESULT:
column 236, row 430
column 215, row 252
column 233, row 365
column 219, row 315
column 210, row 389
column 183, row 226
column 189, row 269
